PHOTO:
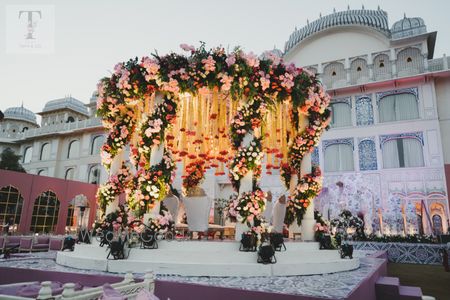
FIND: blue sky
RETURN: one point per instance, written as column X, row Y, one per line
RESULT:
column 92, row 35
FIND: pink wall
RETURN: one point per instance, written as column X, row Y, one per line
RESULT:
column 31, row 186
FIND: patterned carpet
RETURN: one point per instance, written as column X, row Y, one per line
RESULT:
column 337, row 285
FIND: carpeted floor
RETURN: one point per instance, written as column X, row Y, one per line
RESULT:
column 433, row 280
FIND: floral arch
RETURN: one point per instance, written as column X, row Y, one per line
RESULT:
column 210, row 109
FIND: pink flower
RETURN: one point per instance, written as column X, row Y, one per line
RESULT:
column 226, row 81
column 252, row 59
column 231, row 59
column 187, row 47
column 119, row 219
column 209, row 64
column 265, row 83
column 151, row 66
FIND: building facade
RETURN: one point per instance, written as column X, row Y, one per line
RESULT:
column 386, row 155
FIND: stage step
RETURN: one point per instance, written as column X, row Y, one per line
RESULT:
column 410, row 293
column 389, row 288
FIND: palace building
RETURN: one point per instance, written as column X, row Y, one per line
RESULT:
column 386, row 155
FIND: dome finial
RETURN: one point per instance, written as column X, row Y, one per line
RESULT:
column 379, row 7
column 320, row 15
column 348, row 6
column 334, row 10
column 363, row 7
column 404, row 15
column 307, row 21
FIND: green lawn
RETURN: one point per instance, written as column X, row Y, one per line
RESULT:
column 433, row 279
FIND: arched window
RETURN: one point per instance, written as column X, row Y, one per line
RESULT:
column 437, row 225
column 42, row 172
column 45, row 152
column 45, row 213
column 70, row 119
column 334, row 74
column 382, row 67
column 402, row 153
column 74, row 149
column 11, row 202
column 94, row 174
column 69, row 174
column 24, row 129
column 398, row 107
column 341, row 114
column 359, row 71
column 367, row 155
column 409, row 61
column 70, row 214
column 27, row 154
column 97, row 144
column 338, row 157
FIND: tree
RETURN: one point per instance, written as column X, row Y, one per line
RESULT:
column 10, row 161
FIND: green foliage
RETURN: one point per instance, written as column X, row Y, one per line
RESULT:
column 11, row 161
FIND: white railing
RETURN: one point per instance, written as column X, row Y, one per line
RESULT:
column 127, row 288
column 434, row 65
column 55, row 128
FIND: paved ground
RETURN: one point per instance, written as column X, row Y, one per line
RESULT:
column 337, row 285
column 433, row 280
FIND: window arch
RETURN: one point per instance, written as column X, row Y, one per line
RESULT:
column 45, row 213
column 94, row 174
column 398, row 107
column 97, row 143
column 42, row 172
column 341, row 114
column 359, row 71
column 69, row 174
column 24, row 129
column 338, row 157
column 334, row 74
column 382, row 67
column 402, row 153
column 45, row 152
column 409, row 61
column 11, row 202
column 27, row 154
column 74, row 149
column 70, row 119
column 367, row 155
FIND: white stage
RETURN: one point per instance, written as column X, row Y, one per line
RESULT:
column 210, row 258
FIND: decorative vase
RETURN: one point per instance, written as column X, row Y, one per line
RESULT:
column 197, row 212
column 239, row 230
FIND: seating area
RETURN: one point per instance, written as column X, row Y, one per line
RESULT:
column 30, row 243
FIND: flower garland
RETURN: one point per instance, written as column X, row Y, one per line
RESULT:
column 247, row 159
column 152, row 185
column 118, row 219
column 286, row 172
column 115, row 186
column 308, row 188
column 151, row 130
column 195, row 175
column 162, row 223
column 247, row 118
column 250, row 206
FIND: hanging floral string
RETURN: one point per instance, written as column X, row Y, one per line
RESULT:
column 213, row 91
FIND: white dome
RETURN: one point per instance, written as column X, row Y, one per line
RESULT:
column 408, row 27
column 66, row 103
column 21, row 114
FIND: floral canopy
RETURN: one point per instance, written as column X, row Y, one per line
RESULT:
column 198, row 109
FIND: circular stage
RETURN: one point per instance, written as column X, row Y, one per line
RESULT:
column 210, row 258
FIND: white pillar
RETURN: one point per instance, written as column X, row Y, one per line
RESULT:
column 156, row 156
column 115, row 167
column 308, row 221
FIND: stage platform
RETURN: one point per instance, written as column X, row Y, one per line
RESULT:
column 210, row 258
